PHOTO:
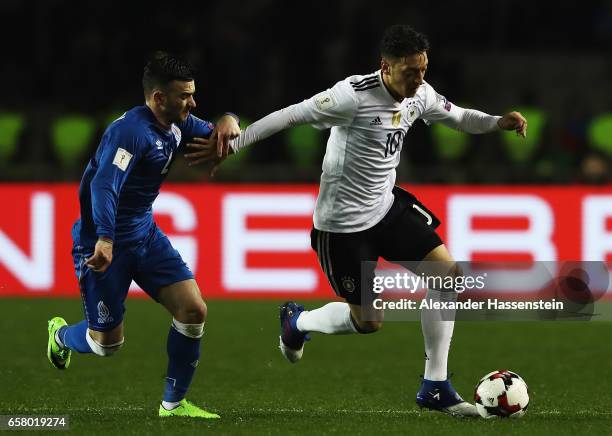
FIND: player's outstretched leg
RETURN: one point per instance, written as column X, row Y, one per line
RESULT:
column 58, row 355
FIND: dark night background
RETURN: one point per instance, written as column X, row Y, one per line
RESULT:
column 65, row 58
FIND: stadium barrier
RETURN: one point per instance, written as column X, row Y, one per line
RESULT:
column 252, row 241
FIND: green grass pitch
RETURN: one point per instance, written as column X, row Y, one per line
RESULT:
column 344, row 385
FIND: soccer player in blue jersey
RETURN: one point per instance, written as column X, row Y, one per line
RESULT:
column 116, row 239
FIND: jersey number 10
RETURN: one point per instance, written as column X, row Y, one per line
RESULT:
column 394, row 140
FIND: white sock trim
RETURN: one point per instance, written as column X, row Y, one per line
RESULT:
column 194, row 331
column 102, row 350
column 169, row 405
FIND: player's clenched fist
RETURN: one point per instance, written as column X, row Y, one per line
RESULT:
column 514, row 121
column 102, row 257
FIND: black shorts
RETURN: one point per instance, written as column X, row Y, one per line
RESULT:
column 406, row 233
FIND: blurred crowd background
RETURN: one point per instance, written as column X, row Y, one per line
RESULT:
column 69, row 68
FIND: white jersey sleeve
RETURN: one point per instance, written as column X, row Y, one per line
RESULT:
column 439, row 109
column 334, row 107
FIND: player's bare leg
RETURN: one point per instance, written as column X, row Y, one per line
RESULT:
column 436, row 392
column 184, row 302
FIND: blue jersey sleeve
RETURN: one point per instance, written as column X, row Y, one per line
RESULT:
column 194, row 127
column 117, row 154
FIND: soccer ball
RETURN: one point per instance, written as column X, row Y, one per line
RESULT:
column 501, row 394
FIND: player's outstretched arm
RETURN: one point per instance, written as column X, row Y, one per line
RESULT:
column 439, row 109
column 333, row 107
column 206, row 150
column 514, row 121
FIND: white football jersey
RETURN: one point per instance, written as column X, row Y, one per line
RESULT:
column 368, row 127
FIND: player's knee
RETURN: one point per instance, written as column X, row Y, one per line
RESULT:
column 104, row 346
column 195, row 313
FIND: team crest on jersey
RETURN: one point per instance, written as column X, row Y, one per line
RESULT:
column 412, row 113
column 103, row 313
column 177, row 133
column 397, row 118
column 348, row 283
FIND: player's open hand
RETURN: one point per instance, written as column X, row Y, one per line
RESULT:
column 102, row 257
column 514, row 121
column 227, row 128
column 205, row 152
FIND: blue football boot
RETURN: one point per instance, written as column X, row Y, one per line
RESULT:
column 291, row 341
column 442, row 397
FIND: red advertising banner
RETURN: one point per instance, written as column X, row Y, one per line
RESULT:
column 252, row 241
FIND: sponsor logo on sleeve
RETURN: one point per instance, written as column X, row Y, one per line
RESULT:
column 122, row 159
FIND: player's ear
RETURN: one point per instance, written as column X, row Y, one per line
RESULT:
column 158, row 97
column 385, row 67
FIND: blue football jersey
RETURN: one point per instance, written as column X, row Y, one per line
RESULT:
column 124, row 176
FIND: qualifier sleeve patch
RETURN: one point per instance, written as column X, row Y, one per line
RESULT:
column 122, row 159
column 325, row 101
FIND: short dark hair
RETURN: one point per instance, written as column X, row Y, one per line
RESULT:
column 401, row 40
column 162, row 68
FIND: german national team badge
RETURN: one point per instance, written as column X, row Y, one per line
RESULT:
column 412, row 114
column 348, row 283
column 397, row 117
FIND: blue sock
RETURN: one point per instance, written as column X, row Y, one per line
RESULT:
column 183, row 355
column 73, row 337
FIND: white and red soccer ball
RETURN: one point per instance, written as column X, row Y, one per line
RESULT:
column 501, row 394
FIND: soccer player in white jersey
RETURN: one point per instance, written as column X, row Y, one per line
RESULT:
column 360, row 215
